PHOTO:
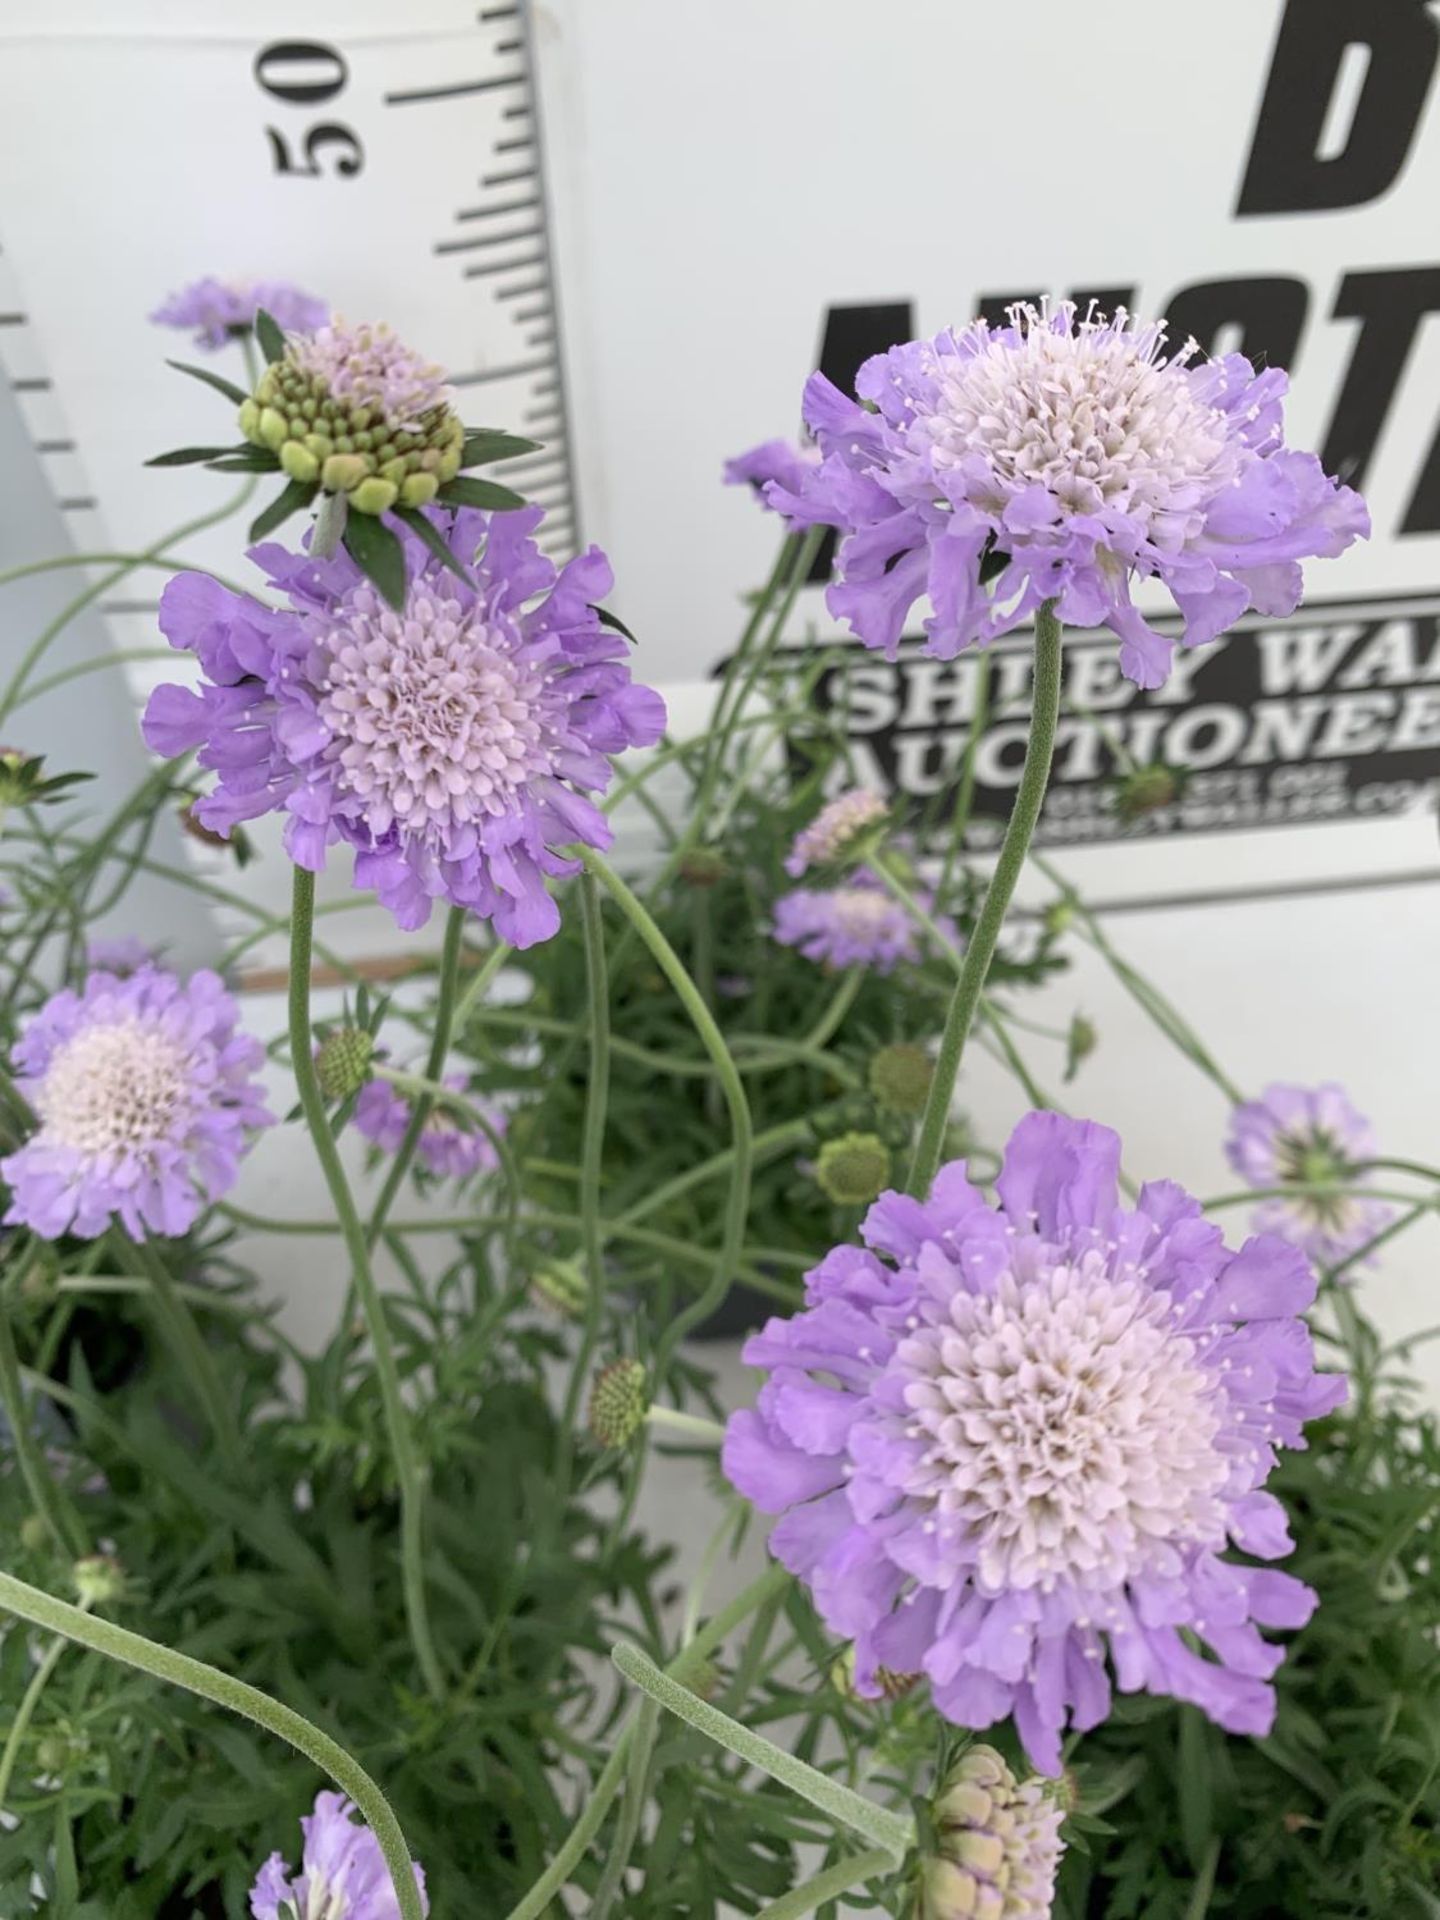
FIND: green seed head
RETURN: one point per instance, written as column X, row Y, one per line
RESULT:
column 618, row 1403
column 342, row 1062
column 1147, row 790
column 560, row 1287
column 900, row 1077
column 99, row 1578
column 853, row 1170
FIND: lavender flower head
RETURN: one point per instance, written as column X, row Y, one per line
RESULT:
column 1308, row 1136
column 1070, row 457
column 448, row 1147
column 342, row 1874
column 1011, row 1442
column 454, row 746
column 997, row 1844
column 836, row 827
column 855, row 925
column 145, row 1097
column 370, row 366
column 222, row 310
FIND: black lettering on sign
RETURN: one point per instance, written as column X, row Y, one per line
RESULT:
column 1261, row 318
column 1290, row 169
column 1389, row 304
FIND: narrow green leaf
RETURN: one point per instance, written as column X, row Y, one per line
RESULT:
column 246, row 460
column 488, row 443
column 378, row 554
column 187, row 456
column 220, row 384
column 272, row 340
column 614, row 622
column 295, row 495
column 465, row 492
column 434, row 540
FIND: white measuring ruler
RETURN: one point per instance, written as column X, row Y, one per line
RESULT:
column 388, row 159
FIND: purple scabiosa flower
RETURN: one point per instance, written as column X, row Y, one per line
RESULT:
column 856, row 925
column 1010, row 1442
column 1069, row 457
column 997, row 1844
column 342, row 1874
column 448, row 1147
column 122, row 954
column 1308, row 1136
column 835, row 828
column 454, row 745
column 789, row 465
column 221, row 310
column 145, row 1095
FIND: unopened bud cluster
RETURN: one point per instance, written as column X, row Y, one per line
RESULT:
column 997, row 1845
column 900, row 1077
column 619, row 1401
column 331, row 427
column 342, row 1062
column 853, row 1170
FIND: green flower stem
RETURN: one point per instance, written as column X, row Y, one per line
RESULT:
column 767, row 1145
column 1416, row 1167
column 688, row 1425
column 196, row 1361
column 480, row 983
column 592, row 1145
column 45, row 1496
column 923, row 918
column 397, row 1421
column 25, row 1712
column 632, row 1810
column 764, row 1053
column 965, row 796
column 102, row 663
column 1308, row 1190
column 1147, row 997
column 887, row 1831
column 130, row 562
column 434, row 1068
column 726, row 712
column 439, row 1095
column 592, row 1815
column 1029, row 797
column 236, row 1696
column 853, row 1871
column 737, row 1205
column 1400, row 1224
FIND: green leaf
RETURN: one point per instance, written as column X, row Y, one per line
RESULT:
column 434, row 540
column 294, row 496
column 465, row 492
column 614, row 622
column 272, row 340
column 220, row 384
column 378, row 554
column 188, row 456
column 246, row 460
column 488, row 443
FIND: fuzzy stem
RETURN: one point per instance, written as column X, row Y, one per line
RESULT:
column 883, row 1829
column 592, row 1143
column 1029, row 797
column 397, row 1422
column 65, row 1528
column 209, row 1683
column 737, row 1205
column 25, row 1712
column 194, row 1356
column 691, row 1426
column 852, row 1871
column 434, row 1068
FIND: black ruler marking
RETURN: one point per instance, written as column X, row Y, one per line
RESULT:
column 419, row 95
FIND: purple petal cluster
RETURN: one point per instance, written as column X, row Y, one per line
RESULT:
column 1069, row 458
column 1308, row 1136
column 835, row 827
column 854, row 925
column 145, row 1097
column 782, row 461
column 447, row 1148
column 219, row 310
column 119, row 953
column 342, row 1873
column 369, row 366
column 1011, row 1444
column 454, row 746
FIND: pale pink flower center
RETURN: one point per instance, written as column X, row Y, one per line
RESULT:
column 113, row 1088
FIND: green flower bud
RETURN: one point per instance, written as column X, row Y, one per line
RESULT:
column 900, row 1077
column 320, row 444
column 342, row 1062
column 1081, row 1042
column 618, row 1403
column 703, row 867
column 1147, row 790
column 99, row 1579
column 374, row 495
column 853, row 1170
column 997, row 1844
column 560, row 1287
column 419, row 490
column 250, row 421
column 274, row 429
column 34, row 1533
column 297, row 460
column 52, row 1753
column 342, row 470
column 893, row 1686
column 1059, row 918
